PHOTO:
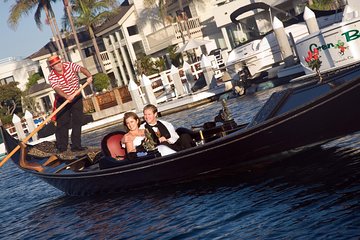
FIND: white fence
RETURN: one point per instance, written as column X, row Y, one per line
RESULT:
column 25, row 127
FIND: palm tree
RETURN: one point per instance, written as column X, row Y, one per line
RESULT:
column 24, row 7
column 69, row 17
column 91, row 13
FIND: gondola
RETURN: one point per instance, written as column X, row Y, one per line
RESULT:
column 291, row 119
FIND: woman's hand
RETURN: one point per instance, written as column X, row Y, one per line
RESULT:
column 162, row 139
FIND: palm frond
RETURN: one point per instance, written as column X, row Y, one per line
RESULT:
column 19, row 9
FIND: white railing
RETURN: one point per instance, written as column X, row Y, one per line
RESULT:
column 159, row 84
column 37, row 121
column 192, row 26
column 9, row 59
column 172, row 34
column 106, row 60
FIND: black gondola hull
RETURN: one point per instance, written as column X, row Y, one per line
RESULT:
column 327, row 112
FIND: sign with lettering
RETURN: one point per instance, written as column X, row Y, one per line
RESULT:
column 337, row 45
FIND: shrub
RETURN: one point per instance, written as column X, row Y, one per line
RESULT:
column 101, row 81
column 32, row 80
column 7, row 119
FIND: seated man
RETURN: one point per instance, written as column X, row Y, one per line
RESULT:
column 134, row 138
column 164, row 132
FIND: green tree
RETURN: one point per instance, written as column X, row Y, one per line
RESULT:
column 90, row 13
column 10, row 99
column 181, row 19
column 29, row 103
column 176, row 58
column 101, row 81
column 32, row 80
column 160, row 64
column 24, row 7
column 68, row 20
column 145, row 65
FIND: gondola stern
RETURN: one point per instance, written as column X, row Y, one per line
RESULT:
column 10, row 144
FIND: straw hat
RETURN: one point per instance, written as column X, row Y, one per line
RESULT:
column 53, row 60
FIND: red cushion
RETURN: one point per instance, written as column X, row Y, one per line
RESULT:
column 111, row 145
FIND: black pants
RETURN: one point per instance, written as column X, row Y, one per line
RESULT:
column 71, row 116
column 185, row 141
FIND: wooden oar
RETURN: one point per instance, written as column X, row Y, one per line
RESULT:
column 25, row 140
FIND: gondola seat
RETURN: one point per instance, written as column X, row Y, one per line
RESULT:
column 114, row 153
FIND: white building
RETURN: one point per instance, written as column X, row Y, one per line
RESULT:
column 123, row 44
column 137, row 31
column 17, row 70
column 196, row 21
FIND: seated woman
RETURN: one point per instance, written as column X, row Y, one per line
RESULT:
column 134, row 138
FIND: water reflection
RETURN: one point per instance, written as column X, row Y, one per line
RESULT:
column 309, row 190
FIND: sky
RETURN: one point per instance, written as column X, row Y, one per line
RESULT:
column 27, row 38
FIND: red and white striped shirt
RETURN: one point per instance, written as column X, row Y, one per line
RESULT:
column 68, row 82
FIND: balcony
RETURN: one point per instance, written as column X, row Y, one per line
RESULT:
column 93, row 67
column 172, row 34
column 106, row 61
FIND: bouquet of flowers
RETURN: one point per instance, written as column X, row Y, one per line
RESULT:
column 313, row 61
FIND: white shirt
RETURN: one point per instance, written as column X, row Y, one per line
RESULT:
column 173, row 134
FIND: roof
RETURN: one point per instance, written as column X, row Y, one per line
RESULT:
column 39, row 87
column 83, row 36
column 122, row 10
column 50, row 47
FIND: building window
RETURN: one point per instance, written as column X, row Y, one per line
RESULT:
column 46, row 103
column 186, row 13
column 107, row 41
column 114, row 37
column 7, row 80
column 236, row 35
column 89, row 51
column 138, row 49
column 133, row 30
column 121, row 35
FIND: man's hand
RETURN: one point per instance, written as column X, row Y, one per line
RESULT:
column 22, row 145
column 89, row 79
column 70, row 97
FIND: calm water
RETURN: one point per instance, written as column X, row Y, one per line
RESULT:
column 313, row 195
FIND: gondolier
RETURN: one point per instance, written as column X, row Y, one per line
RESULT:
column 65, row 81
